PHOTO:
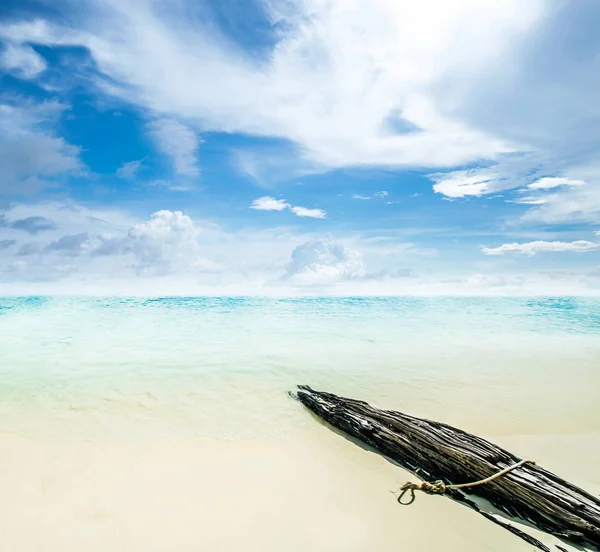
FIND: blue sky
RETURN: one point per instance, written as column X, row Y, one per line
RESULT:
column 300, row 147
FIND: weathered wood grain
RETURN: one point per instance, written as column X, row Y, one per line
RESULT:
column 443, row 452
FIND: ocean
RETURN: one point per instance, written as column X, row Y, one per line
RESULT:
column 163, row 424
column 222, row 367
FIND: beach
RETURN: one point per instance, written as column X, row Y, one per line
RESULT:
column 165, row 424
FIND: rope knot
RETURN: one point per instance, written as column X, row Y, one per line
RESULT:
column 437, row 487
column 434, row 487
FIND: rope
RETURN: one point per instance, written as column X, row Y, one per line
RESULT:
column 439, row 487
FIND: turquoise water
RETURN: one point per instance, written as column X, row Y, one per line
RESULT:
column 222, row 366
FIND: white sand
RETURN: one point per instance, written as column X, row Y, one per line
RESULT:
column 314, row 492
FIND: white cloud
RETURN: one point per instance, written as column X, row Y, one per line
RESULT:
column 381, row 195
column 311, row 213
column 532, row 248
column 71, row 218
column 548, row 183
column 463, row 183
column 510, row 174
column 129, row 169
column 30, row 155
column 520, row 101
column 406, row 94
column 71, row 245
column 574, row 204
column 179, row 142
column 22, row 60
column 268, row 203
column 93, row 250
column 100, row 243
column 166, row 243
column 529, row 200
column 375, row 100
column 324, row 261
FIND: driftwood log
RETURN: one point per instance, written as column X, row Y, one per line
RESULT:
column 441, row 452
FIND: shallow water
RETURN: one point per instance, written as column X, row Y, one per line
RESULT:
column 118, row 367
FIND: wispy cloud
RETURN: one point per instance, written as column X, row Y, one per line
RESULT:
column 406, row 69
column 548, row 183
column 381, row 195
column 21, row 60
column 268, row 203
column 532, row 248
column 179, row 142
column 180, row 66
column 31, row 157
column 129, row 169
column 573, row 204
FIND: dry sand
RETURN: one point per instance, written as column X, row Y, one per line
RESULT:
column 314, row 491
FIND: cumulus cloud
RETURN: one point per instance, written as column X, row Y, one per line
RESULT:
column 268, row 203
column 103, row 243
column 324, row 261
column 177, row 141
column 106, row 251
column 21, row 60
column 166, row 243
column 532, row 248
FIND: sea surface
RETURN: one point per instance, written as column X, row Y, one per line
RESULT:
column 97, row 368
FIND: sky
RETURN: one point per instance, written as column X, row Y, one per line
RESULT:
column 309, row 147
